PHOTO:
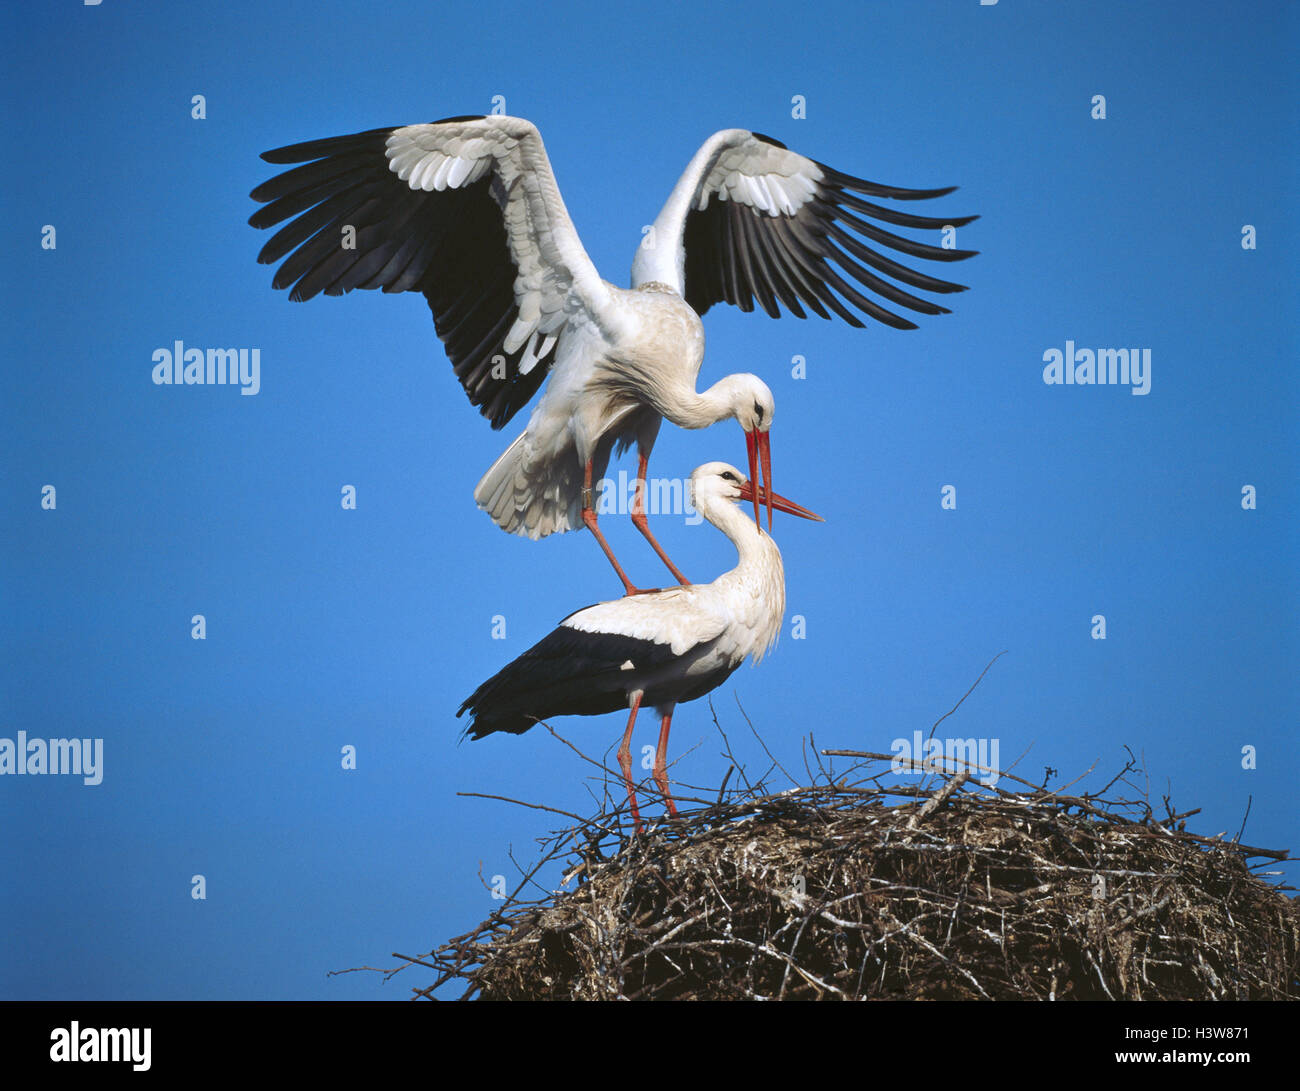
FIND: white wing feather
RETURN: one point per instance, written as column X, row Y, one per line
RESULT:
column 681, row 617
column 732, row 165
column 555, row 275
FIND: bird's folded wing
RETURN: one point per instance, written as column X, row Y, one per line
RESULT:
column 676, row 619
column 752, row 219
column 584, row 666
column 465, row 211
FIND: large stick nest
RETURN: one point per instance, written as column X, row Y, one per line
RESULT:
column 850, row 888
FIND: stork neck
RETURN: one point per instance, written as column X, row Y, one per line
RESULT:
column 751, row 543
column 755, row 588
column 690, row 409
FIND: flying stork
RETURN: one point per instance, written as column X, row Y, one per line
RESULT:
column 656, row 649
column 467, row 212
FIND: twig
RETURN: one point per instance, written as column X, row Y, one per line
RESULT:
column 966, row 694
column 938, row 799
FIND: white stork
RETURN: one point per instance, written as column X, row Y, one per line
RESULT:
column 659, row 648
column 467, row 211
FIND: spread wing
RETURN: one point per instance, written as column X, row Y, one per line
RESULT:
column 751, row 219
column 465, row 211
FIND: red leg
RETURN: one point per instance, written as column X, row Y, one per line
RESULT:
column 661, row 766
column 625, row 760
column 589, row 517
column 639, row 520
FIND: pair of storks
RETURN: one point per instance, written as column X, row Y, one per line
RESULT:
column 467, row 212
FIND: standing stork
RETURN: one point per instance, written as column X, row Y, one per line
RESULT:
column 657, row 649
column 467, row 212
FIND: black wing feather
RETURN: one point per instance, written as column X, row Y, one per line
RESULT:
column 735, row 253
column 449, row 245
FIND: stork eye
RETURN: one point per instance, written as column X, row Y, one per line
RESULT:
column 729, row 476
column 758, row 412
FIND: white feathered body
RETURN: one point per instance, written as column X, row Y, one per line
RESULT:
column 606, row 393
column 710, row 628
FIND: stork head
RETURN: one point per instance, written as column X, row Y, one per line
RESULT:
column 725, row 482
column 753, row 406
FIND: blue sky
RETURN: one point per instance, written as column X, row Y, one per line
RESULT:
column 328, row 628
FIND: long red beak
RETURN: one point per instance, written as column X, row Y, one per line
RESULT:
column 756, row 493
column 759, row 446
